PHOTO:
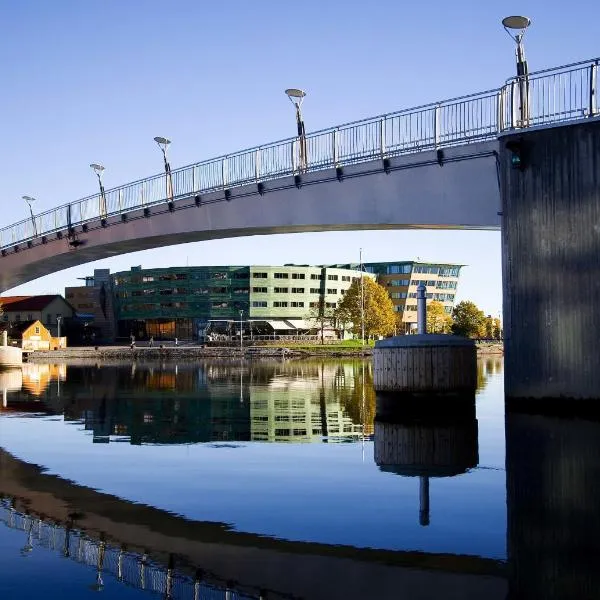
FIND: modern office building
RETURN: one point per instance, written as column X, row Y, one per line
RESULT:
column 401, row 280
column 185, row 302
column 191, row 303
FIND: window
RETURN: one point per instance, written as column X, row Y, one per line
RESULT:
column 315, row 290
column 181, row 276
column 280, row 290
column 147, row 278
column 431, row 282
column 37, row 330
column 397, row 269
column 345, row 277
column 398, row 282
column 332, row 277
column 259, row 275
column 297, row 304
column 297, row 275
column 398, row 295
column 259, row 290
column 313, row 305
column 316, row 276
column 259, row 304
column 220, row 305
column 297, row 290
column 280, row 304
column 18, row 318
column 220, row 290
column 330, row 304
column 30, row 317
column 280, row 275
column 240, row 276
column 219, row 275
column 332, row 291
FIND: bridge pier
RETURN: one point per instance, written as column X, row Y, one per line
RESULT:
column 550, row 186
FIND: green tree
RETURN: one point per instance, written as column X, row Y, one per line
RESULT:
column 379, row 316
column 438, row 320
column 469, row 320
column 497, row 329
column 322, row 316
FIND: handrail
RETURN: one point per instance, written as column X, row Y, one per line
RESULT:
column 544, row 97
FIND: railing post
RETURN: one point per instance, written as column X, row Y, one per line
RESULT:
column 382, row 137
column 257, row 165
column 294, row 160
column 120, row 200
column 593, row 89
column 334, row 147
column 224, row 173
column 193, row 179
column 513, row 107
column 500, row 109
column 437, row 124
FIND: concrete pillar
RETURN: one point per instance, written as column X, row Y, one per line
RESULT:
column 551, row 262
column 5, row 338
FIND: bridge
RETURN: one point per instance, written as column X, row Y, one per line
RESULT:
column 520, row 158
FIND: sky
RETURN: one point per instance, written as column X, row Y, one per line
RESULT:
column 87, row 82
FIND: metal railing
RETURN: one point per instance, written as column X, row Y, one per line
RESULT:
column 546, row 97
column 129, row 568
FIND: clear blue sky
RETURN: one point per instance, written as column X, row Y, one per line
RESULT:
column 96, row 81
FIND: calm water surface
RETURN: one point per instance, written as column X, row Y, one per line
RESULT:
column 283, row 480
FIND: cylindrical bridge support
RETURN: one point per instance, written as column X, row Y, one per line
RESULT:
column 421, row 309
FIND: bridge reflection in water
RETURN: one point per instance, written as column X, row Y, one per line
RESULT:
column 130, row 568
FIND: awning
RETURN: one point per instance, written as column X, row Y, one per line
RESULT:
column 279, row 325
column 300, row 324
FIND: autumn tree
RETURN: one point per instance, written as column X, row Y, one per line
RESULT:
column 322, row 316
column 438, row 320
column 379, row 317
column 469, row 321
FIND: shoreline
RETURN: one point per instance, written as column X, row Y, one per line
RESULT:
column 189, row 353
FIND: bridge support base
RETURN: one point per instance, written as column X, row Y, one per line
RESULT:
column 551, row 262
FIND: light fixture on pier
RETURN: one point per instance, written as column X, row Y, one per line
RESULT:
column 163, row 144
column 30, row 200
column 99, row 170
column 296, row 97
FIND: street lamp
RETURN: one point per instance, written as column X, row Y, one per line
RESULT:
column 29, row 201
column 520, row 24
column 241, row 330
column 58, row 320
column 296, row 97
column 99, row 169
column 163, row 144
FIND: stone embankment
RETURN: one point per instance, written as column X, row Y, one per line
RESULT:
column 191, row 353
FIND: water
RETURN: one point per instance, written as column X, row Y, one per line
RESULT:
column 285, row 480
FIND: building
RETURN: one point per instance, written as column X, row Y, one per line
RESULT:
column 52, row 310
column 31, row 335
column 401, row 280
column 93, row 304
column 187, row 302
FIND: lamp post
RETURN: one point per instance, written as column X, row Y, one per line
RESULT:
column 163, row 144
column 520, row 24
column 362, row 302
column 241, row 330
column 30, row 200
column 58, row 320
column 98, row 170
column 296, row 97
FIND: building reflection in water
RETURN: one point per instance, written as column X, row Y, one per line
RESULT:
column 215, row 401
column 426, row 438
column 553, row 497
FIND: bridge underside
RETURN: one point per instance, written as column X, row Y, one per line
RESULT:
column 456, row 189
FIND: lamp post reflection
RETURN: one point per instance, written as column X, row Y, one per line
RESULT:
column 425, row 438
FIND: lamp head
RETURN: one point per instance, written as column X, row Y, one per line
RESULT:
column 97, row 168
column 162, row 142
column 295, row 95
column 29, row 199
column 516, row 23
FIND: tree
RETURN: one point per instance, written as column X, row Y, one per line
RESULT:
column 469, row 321
column 438, row 320
column 322, row 316
column 379, row 316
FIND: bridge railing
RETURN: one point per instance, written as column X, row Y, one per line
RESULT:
column 546, row 97
column 127, row 567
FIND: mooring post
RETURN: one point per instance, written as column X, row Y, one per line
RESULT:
column 5, row 338
column 424, row 500
column 421, row 309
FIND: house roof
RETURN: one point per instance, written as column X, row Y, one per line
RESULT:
column 19, row 327
column 28, row 303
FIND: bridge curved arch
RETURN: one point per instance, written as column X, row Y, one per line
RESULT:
column 407, row 192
